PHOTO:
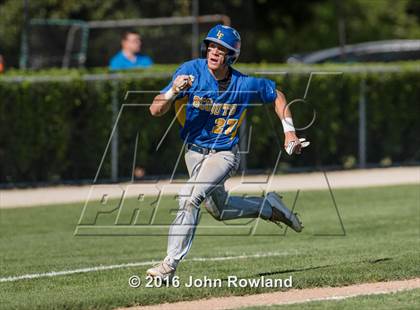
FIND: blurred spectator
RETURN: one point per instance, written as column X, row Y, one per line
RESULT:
column 130, row 57
column 1, row 64
column 139, row 172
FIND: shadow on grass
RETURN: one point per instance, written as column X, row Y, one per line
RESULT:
column 270, row 273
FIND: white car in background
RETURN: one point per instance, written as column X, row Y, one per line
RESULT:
column 377, row 51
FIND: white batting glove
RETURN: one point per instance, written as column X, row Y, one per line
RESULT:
column 291, row 146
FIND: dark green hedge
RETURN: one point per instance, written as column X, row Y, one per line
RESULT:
column 58, row 130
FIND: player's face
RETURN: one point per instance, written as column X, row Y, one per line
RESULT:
column 216, row 56
column 132, row 43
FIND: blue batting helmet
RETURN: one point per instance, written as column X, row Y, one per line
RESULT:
column 227, row 37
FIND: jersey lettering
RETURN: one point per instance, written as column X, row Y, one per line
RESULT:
column 224, row 109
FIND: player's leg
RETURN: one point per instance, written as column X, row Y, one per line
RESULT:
column 271, row 208
column 181, row 231
column 225, row 207
column 180, row 236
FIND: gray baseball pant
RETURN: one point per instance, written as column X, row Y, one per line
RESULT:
column 207, row 176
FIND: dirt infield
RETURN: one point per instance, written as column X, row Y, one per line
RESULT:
column 289, row 297
column 290, row 182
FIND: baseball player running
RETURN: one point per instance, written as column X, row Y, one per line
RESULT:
column 216, row 97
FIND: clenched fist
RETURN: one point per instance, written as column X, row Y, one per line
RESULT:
column 182, row 82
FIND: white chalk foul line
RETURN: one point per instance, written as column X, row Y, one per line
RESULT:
column 137, row 264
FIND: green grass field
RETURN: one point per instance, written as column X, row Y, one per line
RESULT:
column 381, row 242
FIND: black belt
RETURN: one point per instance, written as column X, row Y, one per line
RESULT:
column 202, row 150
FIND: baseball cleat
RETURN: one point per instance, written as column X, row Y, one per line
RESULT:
column 282, row 214
column 161, row 270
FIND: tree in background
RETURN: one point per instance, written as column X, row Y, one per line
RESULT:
column 272, row 29
column 296, row 28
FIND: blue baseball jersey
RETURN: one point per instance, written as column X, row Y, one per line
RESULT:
column 120, row 62
column 210, row 118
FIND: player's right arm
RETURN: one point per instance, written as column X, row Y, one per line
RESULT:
column 162, row 102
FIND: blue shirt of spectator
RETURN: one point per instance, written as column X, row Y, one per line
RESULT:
column 121, row 62
column 130, row 57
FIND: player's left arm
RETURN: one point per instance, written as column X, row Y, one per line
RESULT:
column 285, row 115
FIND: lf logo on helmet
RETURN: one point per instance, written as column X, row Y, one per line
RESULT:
column 219, row 34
